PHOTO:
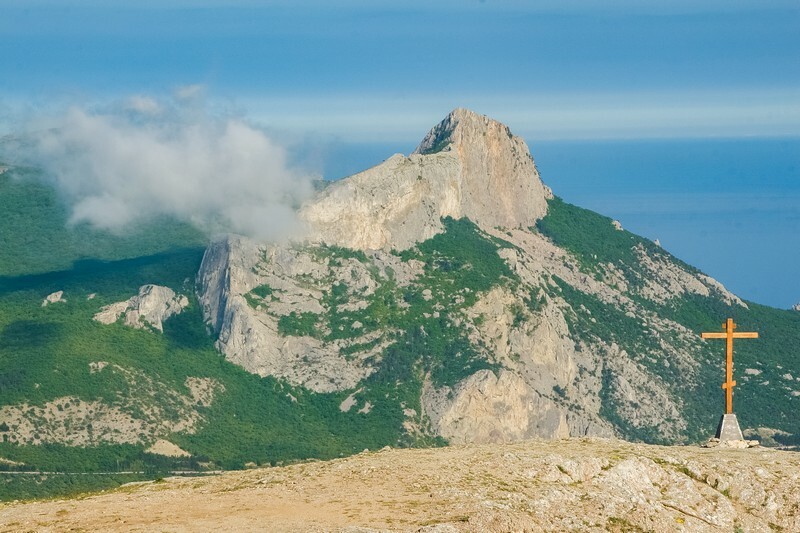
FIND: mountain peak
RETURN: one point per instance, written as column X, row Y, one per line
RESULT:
column 454, row 126
column 440, row 137
column 468, row 165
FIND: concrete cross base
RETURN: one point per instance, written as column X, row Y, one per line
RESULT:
column 728, row 429
column 716, row 443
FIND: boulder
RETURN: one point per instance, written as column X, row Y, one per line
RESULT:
column 148, row 309
column 52, row 298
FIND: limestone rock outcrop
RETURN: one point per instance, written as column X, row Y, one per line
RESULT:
column 53, row 298
column 467, row 166
column 167, row 449
column 148, row 309
column 493, row 408
column 250, row 336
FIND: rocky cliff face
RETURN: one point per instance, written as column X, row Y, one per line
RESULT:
column 425, row 288
column 247, row 322
column 467, row 166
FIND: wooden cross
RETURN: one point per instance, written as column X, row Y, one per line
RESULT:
column 729, row 335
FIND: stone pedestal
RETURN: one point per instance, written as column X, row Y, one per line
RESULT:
column 728, row 429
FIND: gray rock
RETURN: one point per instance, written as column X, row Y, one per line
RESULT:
column 484, row 173
column 250, row 337
column 489, row 407
column 55, row 297
column 148, row 309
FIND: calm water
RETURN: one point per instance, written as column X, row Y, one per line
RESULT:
column 730, row 207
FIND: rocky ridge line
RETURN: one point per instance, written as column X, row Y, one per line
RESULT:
column 467, row 166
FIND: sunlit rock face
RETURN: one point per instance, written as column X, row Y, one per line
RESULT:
column 467, row 166
column 149, row 309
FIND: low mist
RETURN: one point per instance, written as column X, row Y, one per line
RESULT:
column 134, row 160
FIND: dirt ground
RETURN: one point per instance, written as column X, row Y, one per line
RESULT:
column 578, row 484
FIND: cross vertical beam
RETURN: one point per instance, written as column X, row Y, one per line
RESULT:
column 729, row 383
column 729, row 335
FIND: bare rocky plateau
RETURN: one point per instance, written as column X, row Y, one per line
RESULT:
column 587, row 484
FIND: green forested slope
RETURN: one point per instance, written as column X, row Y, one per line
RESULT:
column 762, row 400
column 45, row 352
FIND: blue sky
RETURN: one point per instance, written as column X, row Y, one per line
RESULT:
column 361, row 70
column 356, row 75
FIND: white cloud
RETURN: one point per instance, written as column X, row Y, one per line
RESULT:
column 145, row 158
column 189, row 92
column 144, row 104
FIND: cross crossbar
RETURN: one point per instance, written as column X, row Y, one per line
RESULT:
column 729, row 334
column 742, row 335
